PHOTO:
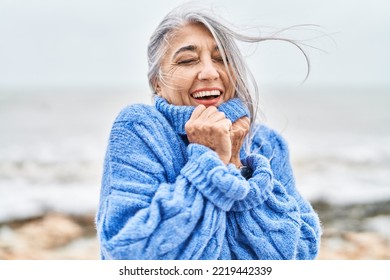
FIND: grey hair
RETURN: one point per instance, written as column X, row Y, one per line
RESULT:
column 245, row 84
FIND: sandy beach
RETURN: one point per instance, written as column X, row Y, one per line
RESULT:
column 62, row 237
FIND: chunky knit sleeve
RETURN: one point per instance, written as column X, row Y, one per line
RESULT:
column 274, row 221
column 161, row 199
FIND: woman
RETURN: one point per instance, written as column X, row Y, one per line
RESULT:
column 193, row 177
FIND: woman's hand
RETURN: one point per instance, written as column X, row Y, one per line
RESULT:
column 239, row 130
column 210, row 127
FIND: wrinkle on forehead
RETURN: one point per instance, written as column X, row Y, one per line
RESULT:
column 178, row 34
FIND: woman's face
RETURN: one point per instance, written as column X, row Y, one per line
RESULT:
column 193, row 71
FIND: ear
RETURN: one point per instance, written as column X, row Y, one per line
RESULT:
column 157, row 87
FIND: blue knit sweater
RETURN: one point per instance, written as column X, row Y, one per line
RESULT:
column 163, row 198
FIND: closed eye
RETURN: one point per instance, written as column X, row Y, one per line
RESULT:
column 187, row 61
column 219, row 59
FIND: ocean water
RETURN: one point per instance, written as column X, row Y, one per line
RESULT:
column 339, row 140
column 52, row 144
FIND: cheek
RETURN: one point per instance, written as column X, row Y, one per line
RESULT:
column 177, row 78
column 230, row 87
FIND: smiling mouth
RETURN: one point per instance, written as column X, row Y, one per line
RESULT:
column 206, row 95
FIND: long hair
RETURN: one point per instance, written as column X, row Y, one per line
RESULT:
column 226, row 39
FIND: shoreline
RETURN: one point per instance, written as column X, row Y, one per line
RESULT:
column 349, row 233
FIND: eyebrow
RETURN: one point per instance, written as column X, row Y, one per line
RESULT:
column 191, row 48
column 185, row 48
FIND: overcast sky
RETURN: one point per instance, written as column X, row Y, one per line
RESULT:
column 102, row 43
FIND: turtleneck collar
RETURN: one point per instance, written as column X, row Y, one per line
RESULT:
column 178, row 116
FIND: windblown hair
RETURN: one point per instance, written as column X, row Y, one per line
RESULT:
column 226, row 39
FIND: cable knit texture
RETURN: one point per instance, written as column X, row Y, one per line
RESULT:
column 163, row 198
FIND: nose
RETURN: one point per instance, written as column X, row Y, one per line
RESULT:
column 208, row 71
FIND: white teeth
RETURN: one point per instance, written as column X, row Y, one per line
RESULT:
column 206, row 93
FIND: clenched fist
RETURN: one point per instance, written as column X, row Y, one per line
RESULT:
column 240, row 129
column 210, row 127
